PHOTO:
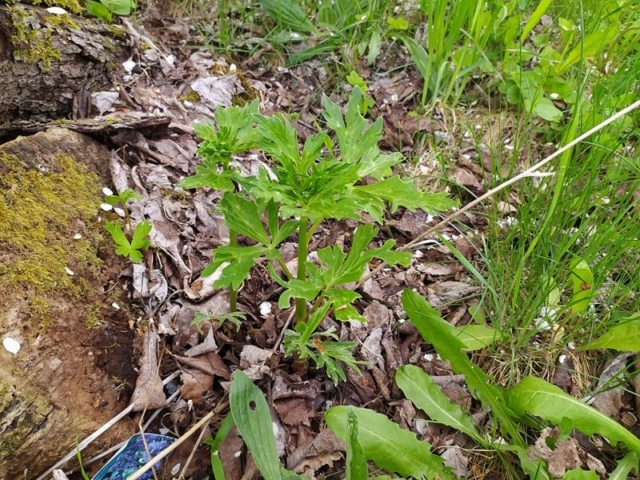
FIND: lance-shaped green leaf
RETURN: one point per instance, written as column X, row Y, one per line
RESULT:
column 403, row 193
column 582, row 280
column 477, row 337
column 442, row 336
column 429, row 397
column 252, row 417
column 536, row 397
column 242, row 216
column 119, row 7
column 387, row 445
column 624, row 337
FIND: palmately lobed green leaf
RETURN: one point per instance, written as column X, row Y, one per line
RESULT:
column 141, row 232
column 244, row 217
column 402, row 193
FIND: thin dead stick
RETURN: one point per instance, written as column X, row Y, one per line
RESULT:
column 203, row 432
column 177, row 443
column 527, row 173
column 87, row 441
column 82, row 445
column 117, row 447
column 284, row 330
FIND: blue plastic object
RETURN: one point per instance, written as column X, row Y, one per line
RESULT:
column 133, row 455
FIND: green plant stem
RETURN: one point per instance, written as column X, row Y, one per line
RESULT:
column 303, row 247
column 310, row 329
column 285, row 269
column 233, row 293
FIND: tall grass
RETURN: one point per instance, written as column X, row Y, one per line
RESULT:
column 587, row 210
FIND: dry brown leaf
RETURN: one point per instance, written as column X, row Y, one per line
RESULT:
column 457, row 460
column 445, row 293
column 194, row 384
column 230, row 452
column 294, row 411
column 208, row 345
column 610, row 401
column 148, row 393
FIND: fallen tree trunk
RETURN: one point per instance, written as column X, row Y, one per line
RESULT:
column 49, row 63
column 71, row 368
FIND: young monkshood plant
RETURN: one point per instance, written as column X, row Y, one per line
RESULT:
column 305, row 186
column 234, row 133
column 140, row 234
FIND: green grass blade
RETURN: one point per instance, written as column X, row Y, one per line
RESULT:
column 288, row 14
column 534, row 19
column 537, row 397
column 440, row 334
column 216, row 466
column 429, row 397
column 356, row 460
column 252, row 417
column 225, row 427
column 388, row 445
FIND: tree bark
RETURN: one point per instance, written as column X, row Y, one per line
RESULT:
column 49, row 63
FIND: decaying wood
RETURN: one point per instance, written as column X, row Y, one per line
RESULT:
column 48, row 60
column 63, row 383
column 107, row 124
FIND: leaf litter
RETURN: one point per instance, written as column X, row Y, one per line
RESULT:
column 185, row 227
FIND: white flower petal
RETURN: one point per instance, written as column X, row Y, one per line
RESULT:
column 129, row 65
column 56, row 11
column 11, row 345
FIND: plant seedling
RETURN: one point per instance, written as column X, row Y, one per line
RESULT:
column 140, row 236
column 303, row 188
column 234, row 132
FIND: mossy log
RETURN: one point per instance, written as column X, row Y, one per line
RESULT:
column 49, row 62
column 73, row 371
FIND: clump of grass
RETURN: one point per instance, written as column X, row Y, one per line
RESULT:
column 587, row 210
